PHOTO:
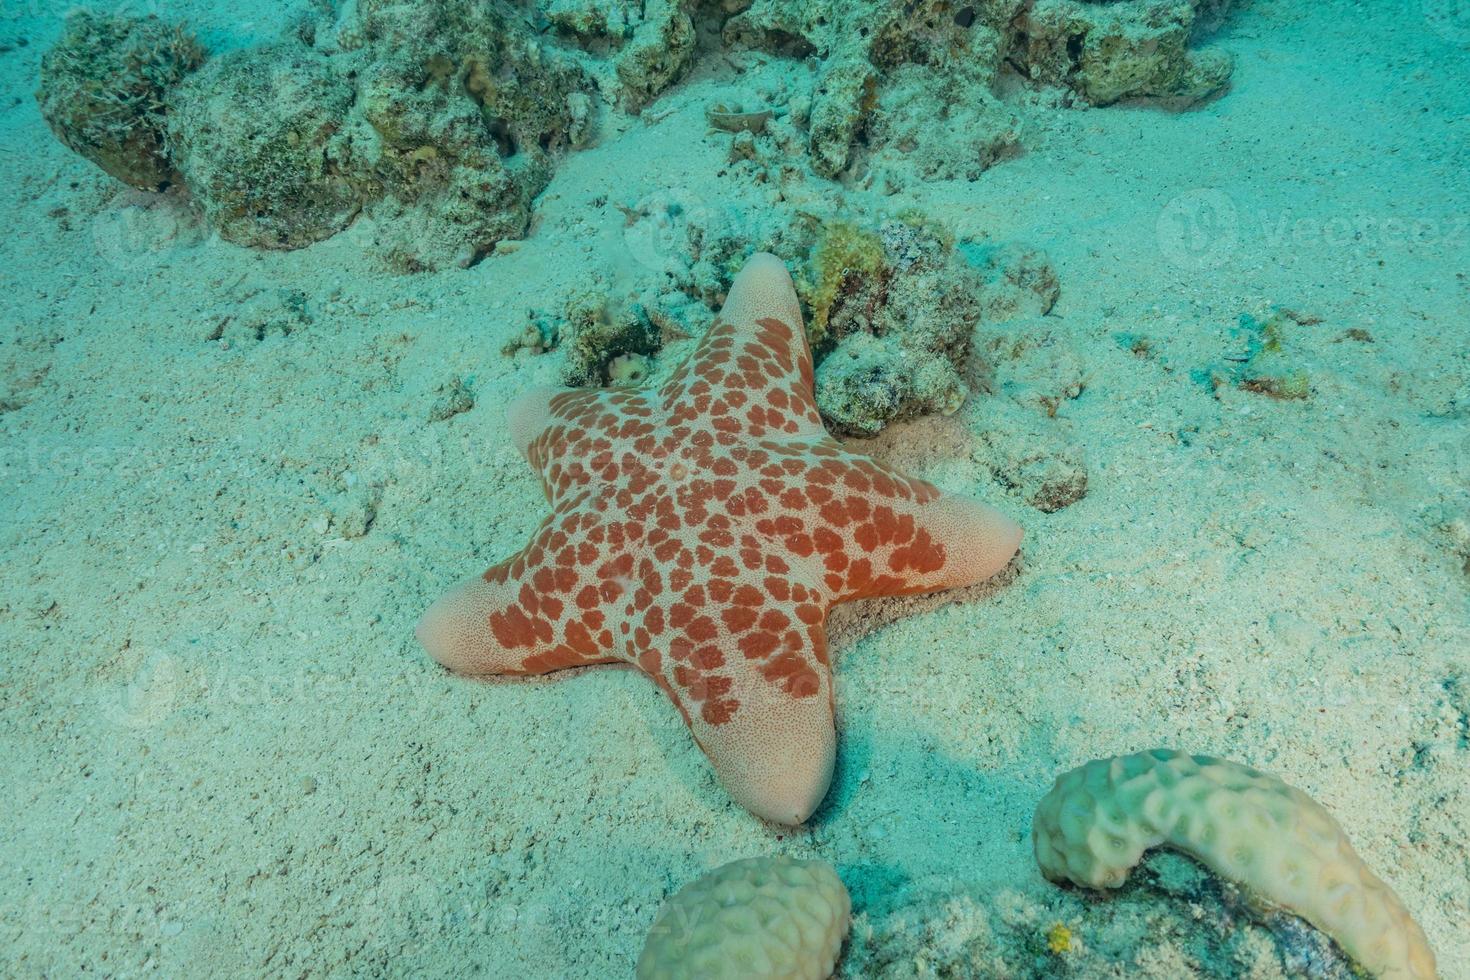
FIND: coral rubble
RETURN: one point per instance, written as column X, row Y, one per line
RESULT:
column 1172, row 919
column 440, row 121
column 893, row 315
column 891, row 306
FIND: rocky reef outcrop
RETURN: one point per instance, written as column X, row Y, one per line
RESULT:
column 438, row 122
column 104, row 91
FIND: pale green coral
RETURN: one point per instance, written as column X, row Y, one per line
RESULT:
column 472, row 111
column 1105, row 51
column 1094, row 825
column 857, row 42
column 440, row 119
column 765, row 918
column 890, row 307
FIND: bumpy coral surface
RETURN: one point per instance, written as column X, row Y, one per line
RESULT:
column 701, row 531
column 260, row 137
column 471, row 110
column 596, row 335
column 1112, row 51
column 1104, row 51
column 1175, row 920
column 442, row 120
column 1099, row 819
column 103, row 90
column 758, row 919
column 857, row 42
column 894, row 311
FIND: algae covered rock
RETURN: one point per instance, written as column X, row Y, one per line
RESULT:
column 1129, row 49
column 1106, row 51
column 941, row 127
column 471, row 112
column 646, row 45
column 844, row 97
column 659, row 52
column 765, row 917
column 893, row 312
column 443, row 118
column 890, row 307
column 1026, row 443
column 104, row 92
column 261, row 137
column 857, row 42
column 604, row 342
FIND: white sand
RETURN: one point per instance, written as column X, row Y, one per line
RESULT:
column 224, row 754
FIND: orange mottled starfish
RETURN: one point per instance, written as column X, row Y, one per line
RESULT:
column 701, row 531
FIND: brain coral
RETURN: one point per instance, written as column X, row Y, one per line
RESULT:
column 765, row 917
column 1250, row 827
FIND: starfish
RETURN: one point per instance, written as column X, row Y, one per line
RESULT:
column 701, row 531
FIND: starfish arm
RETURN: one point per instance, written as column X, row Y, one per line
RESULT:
column 576, row 437
column 752, row 371
column 959, row 541
column 870, row 530
column 741, row 650
column 551, row 606
column 529, row 414
column 775, row 755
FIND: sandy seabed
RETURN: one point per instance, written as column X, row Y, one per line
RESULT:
column 224, row 753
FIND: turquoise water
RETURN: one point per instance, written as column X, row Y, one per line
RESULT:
column 1177, row 290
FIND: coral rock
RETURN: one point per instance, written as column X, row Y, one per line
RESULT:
column 775, row 918
column 1112, row 51
column 104, row 90
column 1250, row 827
column 261, row 138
